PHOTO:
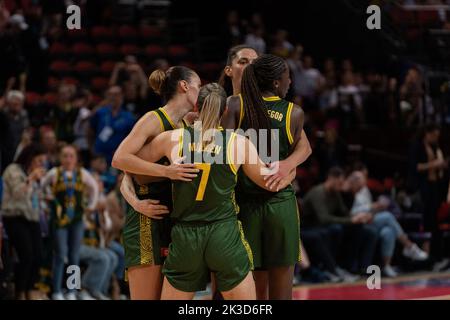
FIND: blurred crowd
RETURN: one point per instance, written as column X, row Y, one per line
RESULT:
column 54, row 155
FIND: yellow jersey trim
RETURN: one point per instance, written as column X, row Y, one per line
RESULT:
column 180, row 143
column 168, row 118
column 229, row 155
column 160, row 120
column 241, row 113
column 288, row 123
column 273, row 98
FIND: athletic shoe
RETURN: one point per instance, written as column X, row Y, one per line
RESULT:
column 415, row 253
column 346, row 276
column 100, row 296
column 441, row 265
column 389, row 272
column 58, row 296
column 84, row 295
column 71, row 296
column 332, row 277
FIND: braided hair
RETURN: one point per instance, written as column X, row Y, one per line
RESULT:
column 257, row 78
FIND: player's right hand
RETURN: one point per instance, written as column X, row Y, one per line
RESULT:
column 181, row 171
column 151, row 208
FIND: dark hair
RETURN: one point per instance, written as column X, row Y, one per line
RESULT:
column 225, row 80
column 27, row 155
column 335, row 172
column 427, row 128
column 256, row 79
column 165, row 83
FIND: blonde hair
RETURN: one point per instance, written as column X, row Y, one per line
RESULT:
column 212, row 100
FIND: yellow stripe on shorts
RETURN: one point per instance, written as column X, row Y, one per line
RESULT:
column 146, row 250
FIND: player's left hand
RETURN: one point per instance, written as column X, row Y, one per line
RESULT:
column 281, row 174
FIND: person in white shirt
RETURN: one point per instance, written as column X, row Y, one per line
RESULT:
column 387, row 225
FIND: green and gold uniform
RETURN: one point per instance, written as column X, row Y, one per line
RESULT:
column 271, row 220
column 68, row 206
column 146, row 240
column 207, row 236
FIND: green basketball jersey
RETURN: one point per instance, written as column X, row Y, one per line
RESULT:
column 279, row 113
column 161, row 190
column 210, row 196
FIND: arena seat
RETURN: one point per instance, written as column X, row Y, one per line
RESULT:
column 60, row 68
column 99, row 84
column 127, row 34
column 102, row 34
column 82, row 50
column 148, row 33
column 154, row 51
column 129, row 49
column 107, row 51
column 107, row 67
column 58, row 50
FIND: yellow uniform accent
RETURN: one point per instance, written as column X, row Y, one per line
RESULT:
column 273, row 98
column 241, row 114
column 206, row 168
column 288, row 123
column 145, row 239
column 180, row 143
column 160, row 120
column 229, row 154
column 246, row 245
column 168, row 118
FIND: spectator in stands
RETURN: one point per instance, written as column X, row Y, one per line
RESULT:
column 389, row 230
column 330, row 149
column 20, row 208
column 6, row 146
column 82, row 103
column 47, row 139
column 347, row 101
column 282, row 47
column 69, row 185
column 100, row 167
column 132, row 78
column 110, row 124
column 233, row 33
column 101, row 261
column 116, row 210
column 308, row 83
column 428, row 166
column 412, row 98
column 324, row 208
column 255, row 39
column 17, row 116
column 65, row 114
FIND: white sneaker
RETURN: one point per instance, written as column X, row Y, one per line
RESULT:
column 84, row 295
column 346, row 276
column 389, row 272
column 58, row 296
column 71, row 296
column 101, row 296
column 415, row 253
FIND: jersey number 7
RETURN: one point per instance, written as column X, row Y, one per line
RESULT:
column 206, row 168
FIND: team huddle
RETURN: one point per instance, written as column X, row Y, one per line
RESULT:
column 212, row 206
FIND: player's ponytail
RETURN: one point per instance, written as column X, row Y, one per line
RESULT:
column 156, row 80
column 211, row 102
column 166, row 83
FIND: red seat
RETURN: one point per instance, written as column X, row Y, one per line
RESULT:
column 147, row 32
column 51, row 98
column 33, row 98
column 96, row 99
column 60, row 68
column 428, row 18
column 100, row 33
column 82, row 49
column 99, row 84
column 85, row 68
column 375, row 185
column 77, row 35
column 154, row 50
column 71, row 80
column 177, row 51
column 129, row 49
column 107, row 67
column 127, row 33
column 58, row 49
column 106, row 50
column 187, row 64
